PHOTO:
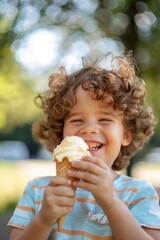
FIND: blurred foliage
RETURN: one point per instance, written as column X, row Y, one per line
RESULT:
column 16, row 105
column 17, row 93
column 92, row 26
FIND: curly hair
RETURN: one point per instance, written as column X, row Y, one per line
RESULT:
column 119, row 86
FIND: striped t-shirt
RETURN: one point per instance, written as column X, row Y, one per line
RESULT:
column 87, row 220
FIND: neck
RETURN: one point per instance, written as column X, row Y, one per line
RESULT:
column 114, row 175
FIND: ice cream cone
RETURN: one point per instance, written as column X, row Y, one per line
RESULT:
column 72, row 148
column 61, row 170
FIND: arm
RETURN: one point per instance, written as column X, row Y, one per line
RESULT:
column 124, row 226
column 37, row 229
column 58, row 200
column 98, row 179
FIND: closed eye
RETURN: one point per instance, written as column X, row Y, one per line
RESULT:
column 76, row 120
column 105, row 120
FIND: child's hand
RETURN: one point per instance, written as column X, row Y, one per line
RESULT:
column 58, row 200
column 95, row 176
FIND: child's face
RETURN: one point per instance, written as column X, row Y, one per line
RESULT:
column 99, row 125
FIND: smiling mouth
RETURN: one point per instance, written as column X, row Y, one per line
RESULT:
column 94, row 147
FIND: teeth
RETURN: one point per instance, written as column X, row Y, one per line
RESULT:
column 94, row 147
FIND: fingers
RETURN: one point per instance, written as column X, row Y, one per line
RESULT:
column 60, row 181
column 64, row 201
column 58, row 199
column 83, row 175
column 90, row 164
column 90, row 171
column 61, row 186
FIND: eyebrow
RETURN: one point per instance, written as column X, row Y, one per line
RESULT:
column 116, row 113
column 72, row 114
column 119, row 113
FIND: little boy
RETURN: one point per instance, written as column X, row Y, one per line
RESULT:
column 106, row 108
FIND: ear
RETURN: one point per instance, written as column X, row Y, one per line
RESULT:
column 127, row 138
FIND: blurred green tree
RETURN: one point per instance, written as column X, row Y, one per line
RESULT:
column 16, row 98
column 86, row 27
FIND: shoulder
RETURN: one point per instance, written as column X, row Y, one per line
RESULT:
column 40, row 182
column 35, row 188
column 131, row 181
column 135, row 187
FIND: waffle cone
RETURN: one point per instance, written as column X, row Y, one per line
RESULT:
column 61, row 170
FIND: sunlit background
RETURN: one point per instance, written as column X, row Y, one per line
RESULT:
column 36, row 38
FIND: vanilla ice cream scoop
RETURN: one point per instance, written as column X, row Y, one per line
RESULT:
column 72, row 148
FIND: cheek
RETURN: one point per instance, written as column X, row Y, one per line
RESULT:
column 114, row 134
column 68, row 131
column 113, row 131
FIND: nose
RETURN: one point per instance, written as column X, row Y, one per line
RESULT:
column 89, row 129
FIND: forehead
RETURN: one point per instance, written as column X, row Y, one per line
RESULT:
column 91, row 96
column 85, row 100
column 80, row 91
column 87, row 97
